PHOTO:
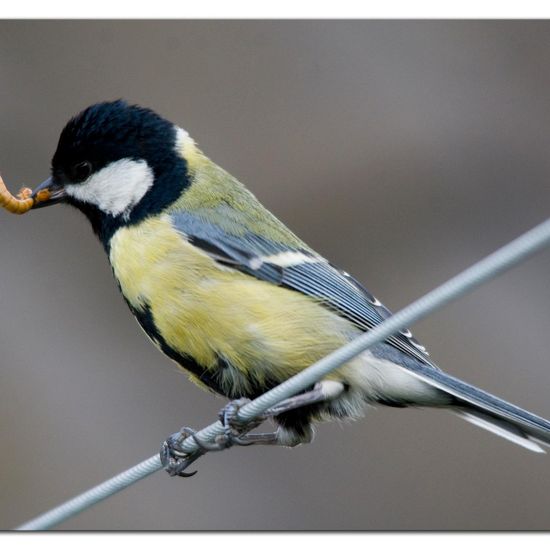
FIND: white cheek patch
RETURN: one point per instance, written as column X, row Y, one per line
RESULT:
column 117, row 188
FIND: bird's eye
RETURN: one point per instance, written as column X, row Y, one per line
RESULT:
column 80, row 171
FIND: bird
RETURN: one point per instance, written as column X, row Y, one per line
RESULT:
column 234, row 297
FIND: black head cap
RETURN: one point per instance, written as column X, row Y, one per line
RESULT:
column 108, row 132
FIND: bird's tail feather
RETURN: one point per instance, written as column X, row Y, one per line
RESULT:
column 488, row 411
column 503, row 428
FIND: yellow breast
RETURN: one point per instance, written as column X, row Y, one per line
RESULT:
column 208, row 312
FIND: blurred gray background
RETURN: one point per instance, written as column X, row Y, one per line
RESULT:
column 402, row 151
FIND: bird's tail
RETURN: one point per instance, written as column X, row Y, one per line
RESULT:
column 488, row 411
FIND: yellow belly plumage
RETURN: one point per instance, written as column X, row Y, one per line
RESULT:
column 207, row 311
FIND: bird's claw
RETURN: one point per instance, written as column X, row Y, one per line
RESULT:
column 235, row 429
column 172, row 456
column 175, row 460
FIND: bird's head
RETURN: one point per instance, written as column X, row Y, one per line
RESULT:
column 117, row 163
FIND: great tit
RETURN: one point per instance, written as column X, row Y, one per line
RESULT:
column 230, row 294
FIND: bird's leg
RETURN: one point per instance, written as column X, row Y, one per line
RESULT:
column 236, row 432
column 322, row 391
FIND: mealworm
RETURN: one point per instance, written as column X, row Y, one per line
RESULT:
column 21, row 203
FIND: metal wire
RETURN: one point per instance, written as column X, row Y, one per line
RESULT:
column 96, row 494
column 499, row 261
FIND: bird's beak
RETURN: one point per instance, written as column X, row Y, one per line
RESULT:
column 47, row 193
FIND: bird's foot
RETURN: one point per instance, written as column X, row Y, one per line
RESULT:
column 236, row 431
column 175, row 460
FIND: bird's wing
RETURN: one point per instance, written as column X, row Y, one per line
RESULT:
column 296, row 268
column 302, row 270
